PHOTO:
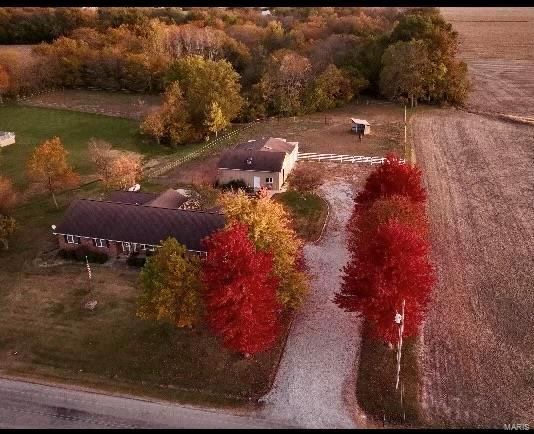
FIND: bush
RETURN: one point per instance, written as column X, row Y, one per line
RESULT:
column 81, row 252
column 306, row 178
column 236, row 184
column 136, row 261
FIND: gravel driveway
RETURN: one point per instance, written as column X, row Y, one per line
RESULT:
column 314, row 387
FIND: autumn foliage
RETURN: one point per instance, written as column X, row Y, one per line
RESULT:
column 171, row 286
column 241, row 305
column 393, row 178
column 270, row 230
column 388, row 244
column 8, row 195
column 48, row 165
column 392, row 267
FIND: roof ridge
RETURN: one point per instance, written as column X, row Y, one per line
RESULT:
column 148, row 206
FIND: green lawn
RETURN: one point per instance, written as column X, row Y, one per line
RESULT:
column 309, row 212
column 375, row 387
column 32, row 125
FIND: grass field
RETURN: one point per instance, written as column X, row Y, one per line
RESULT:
column 56, row 335
column 375, row 387
column 125, row 105
column 33, row 125
column 309, row 212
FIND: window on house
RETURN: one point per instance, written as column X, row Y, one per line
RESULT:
column 150, row 248
column 71, row 239
column 100, row 242
column 269, row 180
column 142, row 246
column 126, row 247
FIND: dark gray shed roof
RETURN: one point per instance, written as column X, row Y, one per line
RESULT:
column 265, row 161
column 135, row 197
column 138, row 223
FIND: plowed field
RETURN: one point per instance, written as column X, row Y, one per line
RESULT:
column 478, row 352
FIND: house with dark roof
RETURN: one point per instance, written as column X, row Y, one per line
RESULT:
column 135, row 222
column 265, row 162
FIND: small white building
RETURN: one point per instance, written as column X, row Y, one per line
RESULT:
column 6, row 138
column 360, row 126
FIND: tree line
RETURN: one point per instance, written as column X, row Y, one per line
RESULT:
column 293, row 61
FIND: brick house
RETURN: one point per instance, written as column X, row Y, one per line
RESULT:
column 134, row 222
column 265, row 162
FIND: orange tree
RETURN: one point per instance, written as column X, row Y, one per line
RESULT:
column 48, row 165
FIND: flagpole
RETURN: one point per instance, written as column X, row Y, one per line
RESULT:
column 88, row 271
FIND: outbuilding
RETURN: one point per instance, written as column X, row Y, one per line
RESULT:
column 360, row 126
column 265, row 162
column 6, row 138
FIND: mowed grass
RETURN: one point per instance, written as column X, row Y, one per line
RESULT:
column 32, row 125
column 309, row 212
column 375, row 388
column 43, row 321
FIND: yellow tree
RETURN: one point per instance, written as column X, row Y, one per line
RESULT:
column 215, row 120
column 270, row 230
column 48, row 165
column 124, row 170
column 117, row 169
column 171, row 286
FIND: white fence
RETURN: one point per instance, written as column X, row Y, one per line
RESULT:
column 203, row 149
column 337, row 158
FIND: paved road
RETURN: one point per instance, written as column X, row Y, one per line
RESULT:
column 30, row 405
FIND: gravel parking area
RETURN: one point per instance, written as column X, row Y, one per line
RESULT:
column 315, row 384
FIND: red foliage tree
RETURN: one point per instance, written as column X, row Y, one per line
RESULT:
column 392, row 267
column 393, row 178
column 241, row 304
column 365, row 220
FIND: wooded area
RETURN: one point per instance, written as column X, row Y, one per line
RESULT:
column 289, row 62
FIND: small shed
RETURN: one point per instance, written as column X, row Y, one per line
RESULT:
column 360, row 126
column 6, row 138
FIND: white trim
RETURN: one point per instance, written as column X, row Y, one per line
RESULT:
column 100, row 242
column 248, row 170
column 71, row 240
column 153, row 246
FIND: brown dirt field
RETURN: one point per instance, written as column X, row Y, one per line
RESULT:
column 478, row 352
column 335, row 136
column 118, row 104
column 498, row 46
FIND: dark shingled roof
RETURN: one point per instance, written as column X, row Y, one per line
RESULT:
column 169, row 199
column 260, row 160
column 271, row 144
column 138, row 223
column 135, row 197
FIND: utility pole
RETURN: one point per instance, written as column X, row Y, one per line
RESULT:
column 405, row 129
column 399, row 319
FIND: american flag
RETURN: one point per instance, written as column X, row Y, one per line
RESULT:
column 88, row 268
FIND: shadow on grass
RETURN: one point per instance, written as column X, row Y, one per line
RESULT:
column 375, row 387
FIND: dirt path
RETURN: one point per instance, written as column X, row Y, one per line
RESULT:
column 478, row 340
column 314, row 387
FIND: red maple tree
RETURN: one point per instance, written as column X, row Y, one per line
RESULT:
column 392, row 178
column 394, row 266
column 241, row 304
